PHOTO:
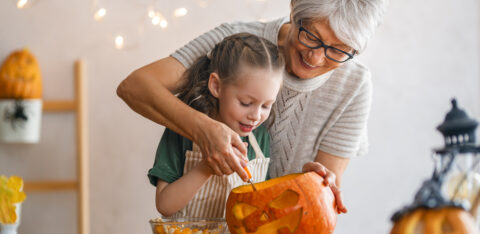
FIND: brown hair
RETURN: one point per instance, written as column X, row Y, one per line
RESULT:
column 225, row 59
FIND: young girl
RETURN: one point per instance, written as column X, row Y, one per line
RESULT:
column 235, row 83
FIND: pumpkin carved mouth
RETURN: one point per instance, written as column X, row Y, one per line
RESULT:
column 295, row 203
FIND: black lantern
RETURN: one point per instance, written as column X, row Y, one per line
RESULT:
column 460, row 157
column 455, row 182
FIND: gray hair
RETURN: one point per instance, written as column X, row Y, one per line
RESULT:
column 352, row 21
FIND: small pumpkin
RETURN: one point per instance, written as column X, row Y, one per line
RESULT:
column 20, row 76
column 295, row 203
column 436, row 221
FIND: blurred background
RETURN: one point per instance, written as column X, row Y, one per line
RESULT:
column 425, row 53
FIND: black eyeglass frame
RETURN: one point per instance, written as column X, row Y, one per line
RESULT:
column 323, row 45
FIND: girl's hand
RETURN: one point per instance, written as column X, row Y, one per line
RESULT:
column 222, row 148
column 329, row 180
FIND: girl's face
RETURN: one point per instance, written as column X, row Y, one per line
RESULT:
column 246, row 103
column 307, row 63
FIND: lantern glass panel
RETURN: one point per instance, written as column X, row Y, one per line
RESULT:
column 462, row 181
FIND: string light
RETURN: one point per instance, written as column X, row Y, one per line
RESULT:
column 119, row 42
column 179, row 12
column 100, row 14
column 163, row 23
column 21, row 4
column 157, row 18
column 151, row 13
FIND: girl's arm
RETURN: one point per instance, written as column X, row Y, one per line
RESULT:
column 150, row 90
column 170, row 198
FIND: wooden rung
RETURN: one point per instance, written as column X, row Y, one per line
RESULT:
column 59, row 105
column 30, row 186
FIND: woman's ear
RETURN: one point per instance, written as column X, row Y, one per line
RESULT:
column 214, row 84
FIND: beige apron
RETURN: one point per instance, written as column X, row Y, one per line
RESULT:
column 210, row 200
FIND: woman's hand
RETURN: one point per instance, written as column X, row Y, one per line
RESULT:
column 222, row 148
column 329, row 179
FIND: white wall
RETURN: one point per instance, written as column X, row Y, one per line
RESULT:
column 425, row 53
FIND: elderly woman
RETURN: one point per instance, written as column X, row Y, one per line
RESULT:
column 321, row 112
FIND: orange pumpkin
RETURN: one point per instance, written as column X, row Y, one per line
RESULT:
column 295, row 203
column 436, row 221
column 20, row 76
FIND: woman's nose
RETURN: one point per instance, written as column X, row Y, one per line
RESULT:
column 316, row 56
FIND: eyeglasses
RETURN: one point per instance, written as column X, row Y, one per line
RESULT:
column 311, row 41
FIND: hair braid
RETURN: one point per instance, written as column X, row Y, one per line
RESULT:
column 225, row 59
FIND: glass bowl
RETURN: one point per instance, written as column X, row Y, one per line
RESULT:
column 189, row 226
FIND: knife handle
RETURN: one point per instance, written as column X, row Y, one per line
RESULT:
column 248, row 172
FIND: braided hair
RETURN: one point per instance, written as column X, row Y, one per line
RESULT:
column 225, row 59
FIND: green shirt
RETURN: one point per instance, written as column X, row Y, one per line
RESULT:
column 170, row 156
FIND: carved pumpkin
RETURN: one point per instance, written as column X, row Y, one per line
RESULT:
column 20, row 76
column 295, row 203
column 436, row 221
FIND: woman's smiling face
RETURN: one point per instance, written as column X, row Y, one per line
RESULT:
column 306, row 63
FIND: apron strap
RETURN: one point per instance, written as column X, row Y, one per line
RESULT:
column 253, row 142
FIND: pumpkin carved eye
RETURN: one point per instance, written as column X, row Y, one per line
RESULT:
column 296, row 203
column 287, row 199
column 242, row 210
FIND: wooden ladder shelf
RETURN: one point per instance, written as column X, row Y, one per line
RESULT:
column 80, row 185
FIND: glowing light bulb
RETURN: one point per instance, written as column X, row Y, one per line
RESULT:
column 156, row 20
column 100, row 14
column 163, row 23
column 21, row 3
column 151, row 13
column 179, row 12
column 119, row 42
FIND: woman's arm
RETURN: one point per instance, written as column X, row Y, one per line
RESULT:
column 170, row 198
column 334, row 164
column 331, row 168
column 150, row 90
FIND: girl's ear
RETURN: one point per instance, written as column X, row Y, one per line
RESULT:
column 214, row 84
